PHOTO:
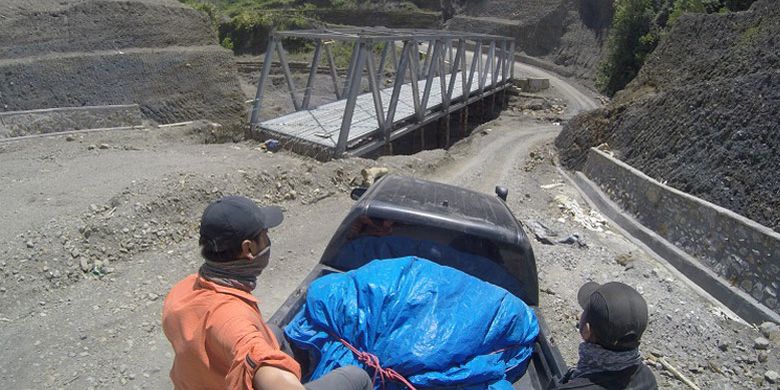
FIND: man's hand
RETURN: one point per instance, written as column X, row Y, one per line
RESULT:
column 272, row 378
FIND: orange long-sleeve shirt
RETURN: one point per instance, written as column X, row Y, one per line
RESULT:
column 219, row 337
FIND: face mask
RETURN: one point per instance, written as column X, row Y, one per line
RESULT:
column 260, row 260
column 238, row 273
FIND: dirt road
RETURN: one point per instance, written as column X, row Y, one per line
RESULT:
column 95, row 230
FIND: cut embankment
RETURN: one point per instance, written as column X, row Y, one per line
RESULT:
column 55, row 120
column 102, row 25
column 160, row 55
column 169, row 84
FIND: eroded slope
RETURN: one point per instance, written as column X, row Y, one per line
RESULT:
column 702, row 113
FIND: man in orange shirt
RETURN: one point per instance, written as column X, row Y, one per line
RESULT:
column 212, row 320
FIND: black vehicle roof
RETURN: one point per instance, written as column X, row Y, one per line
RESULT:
column 417, row 202
column 410, row 199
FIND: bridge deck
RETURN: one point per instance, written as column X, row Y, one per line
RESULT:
column 321, row 125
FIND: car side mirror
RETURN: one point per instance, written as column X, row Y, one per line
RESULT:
column 502, row 192
column 357, row 192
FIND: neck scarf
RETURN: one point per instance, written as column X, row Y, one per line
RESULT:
column 594, row 358
column 240, row 274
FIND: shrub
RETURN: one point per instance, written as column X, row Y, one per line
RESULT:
column 227, row 43
column 638, row 25
column 630, row 40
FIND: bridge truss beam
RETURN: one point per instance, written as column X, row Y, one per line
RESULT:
column 413, row 55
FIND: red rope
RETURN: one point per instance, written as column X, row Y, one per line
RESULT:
column 371, row 360
column 386, row 374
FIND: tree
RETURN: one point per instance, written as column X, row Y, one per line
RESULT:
column 630, row 41
column 685, row 6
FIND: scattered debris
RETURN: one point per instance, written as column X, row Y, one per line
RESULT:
column 761, row 343
column 370, row 175
column 625, row 259
column 541, row 232
column 546, row 236
column 574, row 239
column 84, row 265
column 272, row 145
column 551, row 186
column 177, row 124
column 547, row 291
column 677, row 374
column 771, row 331
column 771, row 376
column 535, row 158
column 570, row 208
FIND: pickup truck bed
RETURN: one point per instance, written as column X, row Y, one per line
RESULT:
column 477, row 223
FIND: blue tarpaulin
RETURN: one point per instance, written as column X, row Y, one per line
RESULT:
column 435, row 325
column 361, row 251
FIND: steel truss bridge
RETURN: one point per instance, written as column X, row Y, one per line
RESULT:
column 436, row 73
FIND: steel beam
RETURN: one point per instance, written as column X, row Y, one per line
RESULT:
column 333, row 72
column 393, row 56
column 287, row 74
column 488, row 63
column 445, row 98
column 429, row 76
column 496, row 66
column 474, row 65
column 427, row 59
column 492, row 61
column 505, row 62
column 315, row 62
column 449, row 53
column 354, row 88
column 512, row 59
column 480, row 68
column 350, row 68
column 454, row 70
column 382, row 60
column 374, row 87
column 400, row 76
column 413, row 74
column 258, row 103
column 464, row 72
column 353, row 34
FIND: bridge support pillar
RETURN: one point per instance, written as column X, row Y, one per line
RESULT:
column 465, row 124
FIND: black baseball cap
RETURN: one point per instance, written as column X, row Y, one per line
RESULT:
column 617, row 314
column 232, row 219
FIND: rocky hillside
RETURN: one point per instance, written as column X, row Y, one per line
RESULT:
column 702, row 115
column 158, row 54
column 568, row 34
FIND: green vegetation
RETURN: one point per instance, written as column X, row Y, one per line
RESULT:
column 638, row 26
column 209, row 9
column 248, row 31
column 227, row 43
column 630, row 40
column 243, row 25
